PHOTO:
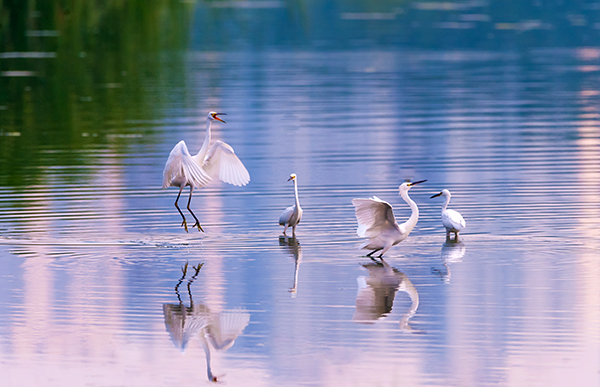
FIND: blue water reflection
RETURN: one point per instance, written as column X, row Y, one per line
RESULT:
column 91, row 248
column 87, row 267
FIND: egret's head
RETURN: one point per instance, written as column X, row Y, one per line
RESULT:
column 407, row 185
column 214, row 116
column 292, row 177
column 444, row 192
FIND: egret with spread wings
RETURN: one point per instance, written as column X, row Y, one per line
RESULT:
column 212, row 161
column 452, row 220
column 376, row 221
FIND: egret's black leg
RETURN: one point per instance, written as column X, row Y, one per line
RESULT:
column 374, row 251
column 190, row 210
column 184, row 223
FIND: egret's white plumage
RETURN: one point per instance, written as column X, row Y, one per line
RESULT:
column 291, row 216
column 212, row 161
column 452, row 220
column 376, row 221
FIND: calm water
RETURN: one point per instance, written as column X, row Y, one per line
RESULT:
column 91, row 249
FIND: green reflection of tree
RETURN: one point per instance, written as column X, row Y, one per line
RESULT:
column 81, row 66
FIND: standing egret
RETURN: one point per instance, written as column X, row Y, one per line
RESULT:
column 452, row 220
column 291, row 216
column 219, row 160
column 376, row 221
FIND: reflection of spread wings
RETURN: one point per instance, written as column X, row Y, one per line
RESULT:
column 220, row 329
column 373, row 215
column 183, row 323
column 225, row 327
column 376, row 294
column 222, row 162
column 370, row 305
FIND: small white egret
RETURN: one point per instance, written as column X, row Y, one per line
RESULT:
column 291, row 216
column 219, row 160
column 452, row 220
column 376, row 221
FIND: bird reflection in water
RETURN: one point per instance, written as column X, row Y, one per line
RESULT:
column 212, row 329
column 376, row 294
column 292, row 246
column 452, row 251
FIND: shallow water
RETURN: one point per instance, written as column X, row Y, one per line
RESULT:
column 91, row 249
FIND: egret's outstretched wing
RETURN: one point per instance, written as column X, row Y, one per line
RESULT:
column 373, row 215
column 183, row 324
column 365, row 311
column 286, row 216
column 181, row 165
column 222, row 162
column 453, row 219
column 226, row 327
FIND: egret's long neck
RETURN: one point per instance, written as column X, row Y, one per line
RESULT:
column 446, row 203
column 207, row 353
column 414, row 217
column 296, row 193
column 202, row 154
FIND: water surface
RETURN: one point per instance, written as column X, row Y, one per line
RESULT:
column 91, row 249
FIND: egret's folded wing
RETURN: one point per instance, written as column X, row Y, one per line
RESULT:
column 180, row 164
column 373, row 216
column 453, row 219
column 222, row 162
column 286, row 215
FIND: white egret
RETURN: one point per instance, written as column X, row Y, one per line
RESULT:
column 291, row 216
column 452, row 220
column 376, row 221
column 219, row 160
